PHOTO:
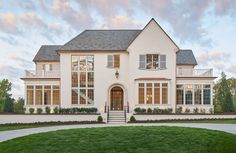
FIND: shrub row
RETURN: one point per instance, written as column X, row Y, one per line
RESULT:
column 57, row 110
column 157, row 110
column 196, row 110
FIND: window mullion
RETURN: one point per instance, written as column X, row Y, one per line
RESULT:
column 153, row 94
column 145, row 87
column 78, row 88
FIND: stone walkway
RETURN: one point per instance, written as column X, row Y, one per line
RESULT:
column 8, row 135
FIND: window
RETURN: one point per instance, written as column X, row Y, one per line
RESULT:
column 152, row 61
column 141, row 93
column 156, row 93
column 164, row 93
column 44, row 95
column 30, row 95
column 47, row 67
column 207, row 94
column 149, row 93
column 180, row 94
column 56, row 95
column 38, row 95
column 113, row 61
column 47, row 95
column 82, row 80
column 202, row 94
column 197, row 94
column 74, row 95
column 188, row 94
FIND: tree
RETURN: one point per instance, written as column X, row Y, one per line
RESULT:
column 5, row 96
column 19, row 106
column 8, row 104
column 223, row 96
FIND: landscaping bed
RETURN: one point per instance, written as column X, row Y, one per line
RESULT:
column 14, row 126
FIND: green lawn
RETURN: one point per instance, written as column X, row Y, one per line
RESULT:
column 124, row 140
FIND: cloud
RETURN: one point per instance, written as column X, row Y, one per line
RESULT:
column 78, row 19
column 225, row 7
column 24, row 63
column 122, row 21
column 185, row 17
column 213, row 57
column 8, row 23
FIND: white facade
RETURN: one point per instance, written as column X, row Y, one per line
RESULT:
column 151, row 40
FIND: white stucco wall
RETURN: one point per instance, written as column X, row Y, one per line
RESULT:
column 152, row 40
column 55, row 65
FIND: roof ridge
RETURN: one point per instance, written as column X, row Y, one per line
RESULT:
column 113, row 30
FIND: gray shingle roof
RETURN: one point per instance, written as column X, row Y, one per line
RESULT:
column 47, row 53
column 185, row 57
column 102, row 40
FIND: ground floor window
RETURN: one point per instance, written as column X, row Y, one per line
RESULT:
column 189, row 94
column 43, row 95
column 30, row 95
column 153, row 93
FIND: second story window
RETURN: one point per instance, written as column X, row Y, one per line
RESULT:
column 113, row 61
column 152, row 61
column 47, row 67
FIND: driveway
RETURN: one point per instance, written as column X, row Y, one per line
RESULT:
column 8, row 135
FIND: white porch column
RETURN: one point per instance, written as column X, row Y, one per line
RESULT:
column 51, row 95
column 34, row 94
column 211, row 94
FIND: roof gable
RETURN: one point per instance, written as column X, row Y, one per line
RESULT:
column 101, row 40
column 154, row 21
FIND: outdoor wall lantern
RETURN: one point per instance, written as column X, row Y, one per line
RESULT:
column 117, row 74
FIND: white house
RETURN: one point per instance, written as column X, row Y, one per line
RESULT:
column 118, row 70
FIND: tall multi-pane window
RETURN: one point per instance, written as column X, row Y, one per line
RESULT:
column 193, row 94
column 188, row 94
column 206, row 94
column 180, row 94
column 156, row 93
column 164, row 93
column 150, row 93
column 141, row 93
column 47, row 95
column 38, row 95
column 30, row 95
column 56, row 95
column 197, row 94
column 82, row 80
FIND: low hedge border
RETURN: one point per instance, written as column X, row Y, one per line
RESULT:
column 176, row 120
column 54, row 123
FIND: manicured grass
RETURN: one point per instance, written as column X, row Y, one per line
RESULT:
column 124, row 140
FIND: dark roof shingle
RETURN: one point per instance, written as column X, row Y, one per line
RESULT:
column 47, row 53
column 102, row 40
column 185, row 57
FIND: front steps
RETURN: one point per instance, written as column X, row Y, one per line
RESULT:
column 116, row 117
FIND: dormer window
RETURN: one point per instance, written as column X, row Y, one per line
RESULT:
column 152, row 61
column 113, row 61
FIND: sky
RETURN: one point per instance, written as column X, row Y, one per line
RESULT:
column 208, row 27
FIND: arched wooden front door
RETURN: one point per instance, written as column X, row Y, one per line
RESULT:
column 116, row 98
